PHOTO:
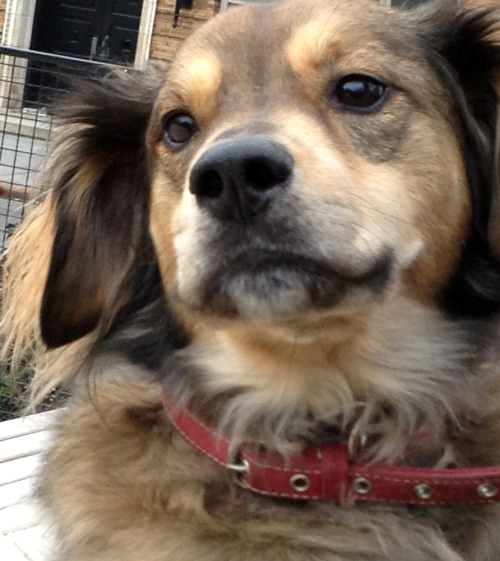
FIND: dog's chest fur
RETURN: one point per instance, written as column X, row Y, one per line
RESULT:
column 138, row 484
column 121, row 468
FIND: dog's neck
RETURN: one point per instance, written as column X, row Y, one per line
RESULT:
column 407, row 366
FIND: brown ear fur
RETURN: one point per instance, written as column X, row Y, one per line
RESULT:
column 463, row 46
column 99, row 200
column 24, row 276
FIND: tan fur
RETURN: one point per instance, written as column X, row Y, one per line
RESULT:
column 25, row 271
column 198, row 81
column 24, row 284
column 312, row 45
column 120, row 482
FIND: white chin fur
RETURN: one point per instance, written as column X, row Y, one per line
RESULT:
column 267, row 297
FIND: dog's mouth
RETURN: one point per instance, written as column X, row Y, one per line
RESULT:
column 265, row 284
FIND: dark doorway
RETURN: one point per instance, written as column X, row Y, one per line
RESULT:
column 103, row 30
column 100, row 30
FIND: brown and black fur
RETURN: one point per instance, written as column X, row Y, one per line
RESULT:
column 357, row 290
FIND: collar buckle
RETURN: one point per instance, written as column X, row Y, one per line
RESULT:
column 240, row 469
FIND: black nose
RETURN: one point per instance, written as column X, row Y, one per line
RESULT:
column 237, row 180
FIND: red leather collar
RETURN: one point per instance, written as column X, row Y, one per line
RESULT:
column 325, row 473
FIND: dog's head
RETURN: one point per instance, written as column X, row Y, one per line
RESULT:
column 301, row 162
column 308, row 160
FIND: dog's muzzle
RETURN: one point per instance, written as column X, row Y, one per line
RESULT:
column 264, row 250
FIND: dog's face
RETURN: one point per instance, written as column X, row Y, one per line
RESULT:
column 305, row 163
column 301, row 162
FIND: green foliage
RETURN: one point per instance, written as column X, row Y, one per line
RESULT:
column 13, row 394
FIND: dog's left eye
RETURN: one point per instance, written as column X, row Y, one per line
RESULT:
column 359, row 93
column 178, row 128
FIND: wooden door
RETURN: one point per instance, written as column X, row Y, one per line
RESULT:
column 102, row 30
column 106, row 30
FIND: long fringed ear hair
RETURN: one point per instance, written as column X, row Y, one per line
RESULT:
column 463, row 47
column 100, row 196
column 82, row 261
column 101, row 267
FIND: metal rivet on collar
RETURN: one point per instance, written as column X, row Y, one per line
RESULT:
column 300, row 482
column 362, row 486
column 487, row 490
column 423, row 491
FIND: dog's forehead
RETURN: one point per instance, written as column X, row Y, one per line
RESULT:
column 256, row 48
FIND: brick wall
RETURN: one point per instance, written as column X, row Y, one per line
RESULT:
column 166, row 38
column 2, row 16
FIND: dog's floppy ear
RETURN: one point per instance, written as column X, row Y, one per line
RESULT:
column 463, row 46
column 100, row 191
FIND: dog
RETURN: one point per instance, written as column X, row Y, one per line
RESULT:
column 271, row 277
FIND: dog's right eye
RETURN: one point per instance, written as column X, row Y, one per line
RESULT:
column 179, row 127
